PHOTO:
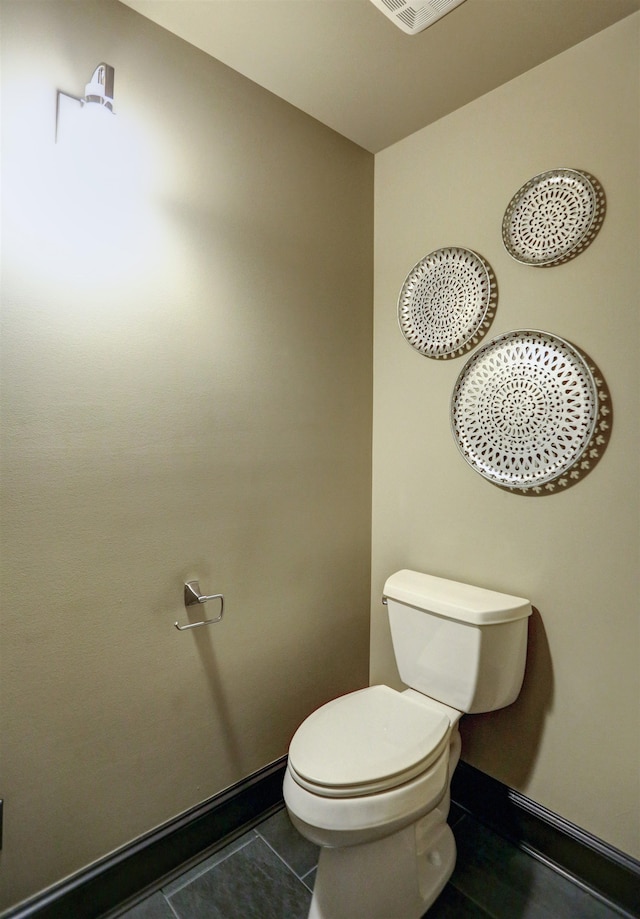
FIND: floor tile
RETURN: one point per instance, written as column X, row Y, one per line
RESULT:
column 299, row 854
column 253, row 883
column 455, row 814
column 509, row 884
column 451, row 904
column 155, row 907
column 269, row 873
column 309, row 879
column 207, row 863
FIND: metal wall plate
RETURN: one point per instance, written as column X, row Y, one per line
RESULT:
column 529, row 413
column 447, row 302
column 553, row 217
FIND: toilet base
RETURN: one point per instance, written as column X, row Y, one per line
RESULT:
column 399, row 876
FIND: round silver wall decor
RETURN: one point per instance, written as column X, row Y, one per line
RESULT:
column 529, row 414
column 447, row 302
column 553, row 217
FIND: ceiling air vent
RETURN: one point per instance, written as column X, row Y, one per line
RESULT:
column 413, row 17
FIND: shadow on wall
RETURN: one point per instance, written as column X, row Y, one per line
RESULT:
column 205, row 645
column 505, row 743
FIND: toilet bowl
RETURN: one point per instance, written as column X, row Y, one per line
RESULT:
column 368, row 773
column 367, row 764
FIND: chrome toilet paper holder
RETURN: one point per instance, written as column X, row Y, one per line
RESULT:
column 193, row 596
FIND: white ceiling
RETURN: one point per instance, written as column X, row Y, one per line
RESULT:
column 346, row 64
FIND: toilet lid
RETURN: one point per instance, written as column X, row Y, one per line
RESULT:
column 367, row 741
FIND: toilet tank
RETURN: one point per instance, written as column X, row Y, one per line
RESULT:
column 462, row 645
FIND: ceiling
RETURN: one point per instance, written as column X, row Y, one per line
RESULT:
column 346, row 64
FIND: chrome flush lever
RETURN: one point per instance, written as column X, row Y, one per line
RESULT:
column 193, row 596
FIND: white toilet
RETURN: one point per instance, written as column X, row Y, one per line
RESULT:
column 368, row 774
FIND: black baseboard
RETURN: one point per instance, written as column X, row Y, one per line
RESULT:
column 589, row 861
column 119, row 877
column 140, row 866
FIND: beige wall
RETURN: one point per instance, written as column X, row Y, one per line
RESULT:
column 186, row 393
column 572, row 740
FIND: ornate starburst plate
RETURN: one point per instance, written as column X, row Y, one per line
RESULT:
column 447, row 302
column 553, row 217
column 527, row 412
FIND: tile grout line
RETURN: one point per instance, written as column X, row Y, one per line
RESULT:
column 302, row 880
column 481, row 906
column 282, row 859
column 199, row 874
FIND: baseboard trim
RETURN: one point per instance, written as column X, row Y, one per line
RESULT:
column 604, row 870
column 123, row 875
column 118, row 877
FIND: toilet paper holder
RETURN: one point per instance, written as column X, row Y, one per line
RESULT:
column 192, row 596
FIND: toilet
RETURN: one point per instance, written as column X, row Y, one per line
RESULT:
column 368, row 774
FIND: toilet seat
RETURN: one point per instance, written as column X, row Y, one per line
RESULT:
column 367, row 741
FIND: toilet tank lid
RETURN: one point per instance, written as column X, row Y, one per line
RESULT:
column 454, row 600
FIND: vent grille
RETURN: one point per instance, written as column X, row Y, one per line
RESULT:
column 413, row 17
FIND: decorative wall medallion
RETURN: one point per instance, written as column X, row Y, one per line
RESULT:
column 531, row 413
column 447, row 302
column 553, row 217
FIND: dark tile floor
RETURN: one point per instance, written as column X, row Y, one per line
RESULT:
column 268, row 874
